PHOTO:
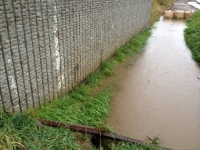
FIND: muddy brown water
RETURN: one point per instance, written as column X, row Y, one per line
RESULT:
column 157, row 92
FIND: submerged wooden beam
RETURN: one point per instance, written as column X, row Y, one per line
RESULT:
column 92, row 130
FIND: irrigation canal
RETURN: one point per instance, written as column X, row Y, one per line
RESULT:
column 159, row 92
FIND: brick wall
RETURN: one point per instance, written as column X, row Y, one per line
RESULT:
column 49, row 46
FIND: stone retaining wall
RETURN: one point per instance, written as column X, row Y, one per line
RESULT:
column 49, row 46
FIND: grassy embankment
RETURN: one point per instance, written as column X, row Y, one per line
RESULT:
column 192, row 36
column 21, row 131
column 158, row 8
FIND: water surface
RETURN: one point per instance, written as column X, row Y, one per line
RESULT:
column 160, row 93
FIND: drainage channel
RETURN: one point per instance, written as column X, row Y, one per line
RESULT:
column 160, row 94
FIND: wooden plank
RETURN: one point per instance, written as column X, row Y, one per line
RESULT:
column 92, row 130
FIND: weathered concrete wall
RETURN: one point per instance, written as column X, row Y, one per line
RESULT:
column 49, row 46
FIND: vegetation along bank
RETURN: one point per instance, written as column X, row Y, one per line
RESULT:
column 192, row 36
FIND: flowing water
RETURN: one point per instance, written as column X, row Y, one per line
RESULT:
column 159, row 95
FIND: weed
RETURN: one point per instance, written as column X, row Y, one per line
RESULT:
column 192, row 36
column 78, row 108
column 130, row 146
column 95, row 79
column 135, row 45
column 154, row 141
column 19, row 131
column 158, row 8
column 81, row 93
column 107, row 68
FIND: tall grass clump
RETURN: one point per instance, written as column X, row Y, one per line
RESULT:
column 78, row 108
column 106, row 69
column 130, row 146
column 21, row 132
column 135, row 45
column 158, row 8
column 192, row 36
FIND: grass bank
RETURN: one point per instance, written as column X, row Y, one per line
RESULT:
column 22, row 131
column 158, row 8
column 192, row 36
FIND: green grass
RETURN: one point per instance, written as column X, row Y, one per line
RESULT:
column 159, row 6
column 105, row 70
column 20, row 132
column 78, row 108
column 192, row 36
column 133, row 46
column 130, row 146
